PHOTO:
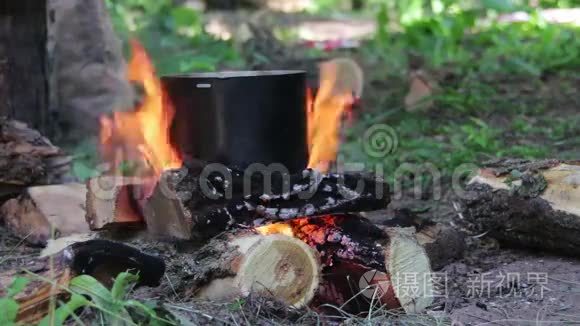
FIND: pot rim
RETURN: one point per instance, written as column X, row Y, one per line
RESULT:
column 227, row 74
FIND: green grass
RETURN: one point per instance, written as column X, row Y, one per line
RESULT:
column 506, row 90
column 173, row 36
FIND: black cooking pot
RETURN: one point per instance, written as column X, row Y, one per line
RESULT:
column 240, row 118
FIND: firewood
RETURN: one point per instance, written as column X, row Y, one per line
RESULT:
column 442, row 243
column 165, row 215
column 27, row 158
column 527, row 204
column 358, row 254
column 244, row 263
column 46, row 211
column 102, row 259
column 225, row 203
column 111, row 202
column 350, row 250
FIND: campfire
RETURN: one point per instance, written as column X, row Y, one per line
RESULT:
column 293, row 234
column 236, row 174
column 223, row 197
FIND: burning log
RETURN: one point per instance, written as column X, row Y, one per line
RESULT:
column 211, row 202
column 243, row 262
column 363, row 262
column 350, row 250
column 45, row 211
column 111, row 202
column 527, row 204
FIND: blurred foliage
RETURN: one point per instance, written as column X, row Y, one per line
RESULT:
column 172, row 34
column 493, row 71
column 492, row 75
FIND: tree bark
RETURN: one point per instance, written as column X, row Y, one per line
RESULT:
column 27, row 158
column 527, row 204
column 23, row 62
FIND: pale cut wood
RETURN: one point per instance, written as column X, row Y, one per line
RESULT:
column 277, row 265
column 405, row 258
column 46, row 211
column 111, row 202
column 165, row 215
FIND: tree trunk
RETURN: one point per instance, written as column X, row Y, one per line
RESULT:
column 527, row 204
column 23, row 62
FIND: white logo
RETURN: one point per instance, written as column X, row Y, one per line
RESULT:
column 374, row 284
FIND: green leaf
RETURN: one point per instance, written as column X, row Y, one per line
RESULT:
column 8, row 311
column 88, row 285
column 121, row 285
column 65, row 311
column 148, row 311
column 17, row 286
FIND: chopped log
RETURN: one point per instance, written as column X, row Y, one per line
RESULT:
column 101, row 259
column 353, row 249
column 527, row 204
column 46, row 211
column 350, row 249
column 442, row 243
column 215, row 201
column 27, row 158
column 112, row 202
column 165, row 215
column 244, row 263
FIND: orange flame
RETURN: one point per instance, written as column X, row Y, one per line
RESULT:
column 288, row 228
column 276, row 228
column 142, row 135
column 341, row 82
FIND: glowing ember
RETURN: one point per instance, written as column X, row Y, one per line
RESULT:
column 341, row 83
column 276, row 228
column 141, row 136
column 301, row 225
